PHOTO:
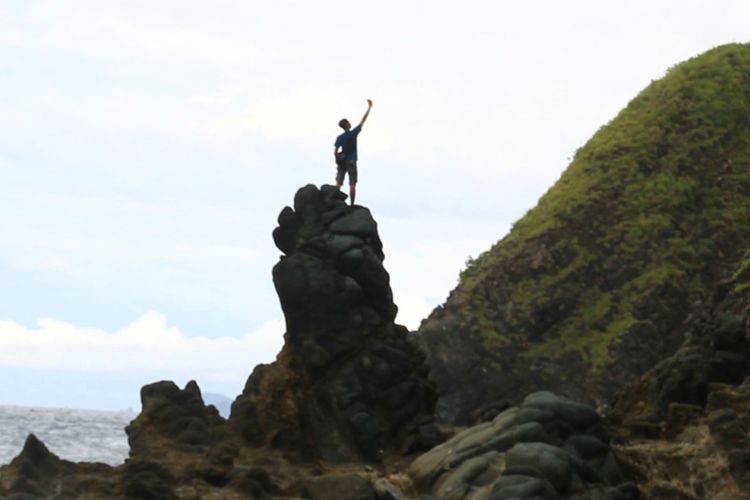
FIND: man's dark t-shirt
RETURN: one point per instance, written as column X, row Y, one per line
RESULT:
column 348, row 143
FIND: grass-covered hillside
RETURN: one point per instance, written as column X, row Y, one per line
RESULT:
column 591, row 286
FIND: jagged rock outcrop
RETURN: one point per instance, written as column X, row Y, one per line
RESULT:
column 174, row 419
column 36, row 471
column 348, row 383
column 693, row 451
column 591, row 287
column 716, row 351
column 175, row 427
column 179, row 449
column 547, row 448
column 683, row 427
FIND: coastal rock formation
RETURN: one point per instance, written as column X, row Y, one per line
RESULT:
column 348, row 383
column 347, row 397
column 174, row 419
column 693, row 451
column 683, row 427
column 547, row 448
column 35, row 472
column 591, row 287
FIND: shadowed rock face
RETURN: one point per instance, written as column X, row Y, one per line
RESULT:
column 332, row 284
column 683, row 425
column 348, row 383
column 36, row 471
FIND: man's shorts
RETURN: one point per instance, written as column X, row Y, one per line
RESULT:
column 347, row 167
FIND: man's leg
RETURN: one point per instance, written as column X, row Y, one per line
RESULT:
column 340, row 171
column 352, row 171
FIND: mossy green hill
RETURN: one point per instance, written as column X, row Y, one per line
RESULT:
column 592, row 285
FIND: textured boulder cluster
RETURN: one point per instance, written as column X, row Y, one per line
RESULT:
column 546, row 448
column 350, row 383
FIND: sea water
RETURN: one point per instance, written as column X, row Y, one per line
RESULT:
column 75, row 435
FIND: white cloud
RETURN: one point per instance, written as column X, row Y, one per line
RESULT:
column 148, row 347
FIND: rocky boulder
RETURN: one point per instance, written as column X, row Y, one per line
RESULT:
column 348, row 383
column 174, row 419
column 548, row 447
column 35, row 472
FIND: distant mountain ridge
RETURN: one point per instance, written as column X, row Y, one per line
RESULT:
column 590, row 286
column 222, row 403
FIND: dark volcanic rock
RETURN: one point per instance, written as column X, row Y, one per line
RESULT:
column 147, row 480
column 683, row 426
column 348, row 383
column 716, row 351
column 38, row 472
column 549, row 447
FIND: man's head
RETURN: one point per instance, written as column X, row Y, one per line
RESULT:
column 344, row 123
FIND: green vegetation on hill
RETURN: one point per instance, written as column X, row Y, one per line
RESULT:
column 642, row 223
column 740, row 287
column 652, row 193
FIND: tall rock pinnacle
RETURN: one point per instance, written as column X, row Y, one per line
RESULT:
column 348, row 383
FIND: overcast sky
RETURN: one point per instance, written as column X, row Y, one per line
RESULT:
column 147, row 147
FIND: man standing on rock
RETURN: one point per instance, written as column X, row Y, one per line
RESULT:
column 346, row 158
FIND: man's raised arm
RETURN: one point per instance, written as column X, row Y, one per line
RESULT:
column 367, row 113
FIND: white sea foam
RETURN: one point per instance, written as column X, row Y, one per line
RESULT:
column 75, row 435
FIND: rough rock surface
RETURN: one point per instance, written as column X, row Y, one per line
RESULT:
column 177, row 418
column 547, row 448
column 348, row 384
column 683, row 427
column 693, row 452
column 35, row 472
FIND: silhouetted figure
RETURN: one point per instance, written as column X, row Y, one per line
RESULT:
column 345, row 152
